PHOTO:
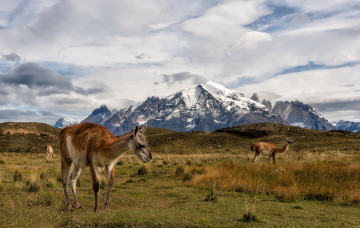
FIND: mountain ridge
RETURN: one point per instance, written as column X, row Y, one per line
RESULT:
column 208, row 107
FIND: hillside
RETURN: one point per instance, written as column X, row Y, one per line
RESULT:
column 32, row 137
column 237, row 140
column 27, row 137
column 315, row 182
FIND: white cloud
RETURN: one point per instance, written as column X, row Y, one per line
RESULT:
column 317, row 86
column 136, row 42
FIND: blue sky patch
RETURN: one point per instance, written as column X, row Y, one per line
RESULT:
column 278, row 20
column 70, row 70
column 314, row 66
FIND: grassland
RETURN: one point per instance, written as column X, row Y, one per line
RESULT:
column 187, row 168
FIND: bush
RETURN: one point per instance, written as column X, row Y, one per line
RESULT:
column 211, row 197
column 297, row 207
column 120, row 162
column 50, row 183
column 2, row 161
column 165, row 162
column 17, row 176
column 42, row 175
column 188, row 176
column 179, row 170
column 59, row 178
column 33, row 184
column 143, row 170
column 249, row 217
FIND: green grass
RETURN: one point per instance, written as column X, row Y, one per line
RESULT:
column 157, row 196
column 158, row 199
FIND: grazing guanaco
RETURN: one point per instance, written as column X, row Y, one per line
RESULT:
column 49, row 151
column 88, row 144
column 269, row 149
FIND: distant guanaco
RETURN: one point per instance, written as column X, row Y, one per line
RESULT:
column 269, row 149
column 49, row 151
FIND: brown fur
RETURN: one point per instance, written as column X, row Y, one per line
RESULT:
column 268, row 149
column 93, row 145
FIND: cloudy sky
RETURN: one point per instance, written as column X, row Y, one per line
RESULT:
column 65, row 58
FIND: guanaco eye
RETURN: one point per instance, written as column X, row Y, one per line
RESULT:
column 141, row 146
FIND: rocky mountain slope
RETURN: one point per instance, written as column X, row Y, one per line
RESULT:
column 206, row 107
column 303, row 115
column 211, row 106
column 348, row 126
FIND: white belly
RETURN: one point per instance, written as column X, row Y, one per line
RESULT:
column 78, row 157
column 266, row 151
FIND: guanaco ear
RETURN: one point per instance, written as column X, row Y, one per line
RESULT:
column 143, row 129
column 136, row 129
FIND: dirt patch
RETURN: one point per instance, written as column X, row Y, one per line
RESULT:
column 45, row 135
column 18, row 131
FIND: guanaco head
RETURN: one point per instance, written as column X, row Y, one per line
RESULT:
column 139, row 144
column 288, row 140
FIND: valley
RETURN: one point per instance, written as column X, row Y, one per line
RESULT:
column 196, row 179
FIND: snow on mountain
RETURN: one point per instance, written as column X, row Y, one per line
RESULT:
column 348, row 125
column 206, row 107
column 64, row 122
column 99, row 115
column 303, row 115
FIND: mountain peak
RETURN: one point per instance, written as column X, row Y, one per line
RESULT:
column 102, row 110
column 64, row 121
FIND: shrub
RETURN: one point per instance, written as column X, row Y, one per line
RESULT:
column 143, row 170
column 17, row 176
column 120, row 162
column 211, row 197
column 179, row 170
column 334, row 182
column 2, row 161
column 33, row 184
column 42, row 175
column 197, row 170
column 165, row 162
column 59, row 178
column 249, row 217
column 50, row 183
column 188, row 176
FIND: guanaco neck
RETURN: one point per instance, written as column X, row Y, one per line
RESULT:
column 116, row 148
column 284, row 148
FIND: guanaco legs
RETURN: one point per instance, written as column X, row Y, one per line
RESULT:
column 268, row 149
column 93, row 145
column 49, row 151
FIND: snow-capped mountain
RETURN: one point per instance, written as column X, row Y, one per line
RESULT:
column 303, row 115
column 348, row 125
column 65, row 121
column 98, row 115
column 206, row 107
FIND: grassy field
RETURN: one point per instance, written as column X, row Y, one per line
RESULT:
column 194, row 180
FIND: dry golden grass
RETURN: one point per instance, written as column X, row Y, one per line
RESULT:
column 338, row 182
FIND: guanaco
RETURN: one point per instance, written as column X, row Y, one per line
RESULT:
column 268, row 149
column 88, row 144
